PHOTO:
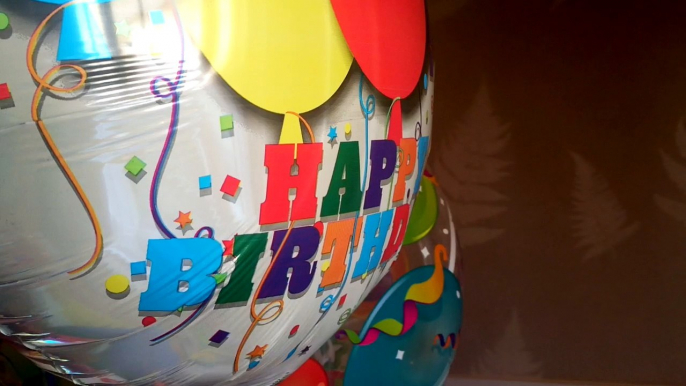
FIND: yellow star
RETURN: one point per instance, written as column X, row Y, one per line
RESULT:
column 184, row 219
column 123, row 28
column 257, row 352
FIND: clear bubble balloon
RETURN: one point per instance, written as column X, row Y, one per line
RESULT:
column 195, row 192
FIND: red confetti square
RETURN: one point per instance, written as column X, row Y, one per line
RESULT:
column 228, row 247
column 5, row 92
column 341, row 301
column 230, row 185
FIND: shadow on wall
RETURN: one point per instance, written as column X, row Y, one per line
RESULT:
column 559, row 141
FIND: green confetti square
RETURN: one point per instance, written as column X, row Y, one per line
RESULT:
column 135, row 166
column 226, row 122
column 220, row 277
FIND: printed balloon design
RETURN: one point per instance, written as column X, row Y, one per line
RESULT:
column 204, row 191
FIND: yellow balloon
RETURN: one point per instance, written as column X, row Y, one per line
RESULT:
column 279, row 55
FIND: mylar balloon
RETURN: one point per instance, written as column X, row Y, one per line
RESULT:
column 197, row 192
column 412, row 329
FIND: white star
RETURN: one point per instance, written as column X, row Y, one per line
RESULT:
column 425, row 251
column 123, row 28
column 400, row 354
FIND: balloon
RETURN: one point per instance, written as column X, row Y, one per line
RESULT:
column 310, row 373
column 270, row 65
column 378, row 34
column 412, row 330
column 192, row 192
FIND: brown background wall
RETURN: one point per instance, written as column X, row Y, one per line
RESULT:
column 559, row 144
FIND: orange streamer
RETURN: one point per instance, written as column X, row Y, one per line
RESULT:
column 307, row 125
column 43, row 84
column 257, row 318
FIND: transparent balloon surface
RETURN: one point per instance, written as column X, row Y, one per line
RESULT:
column 200, row 192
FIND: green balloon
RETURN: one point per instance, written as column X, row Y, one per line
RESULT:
column 424, row 213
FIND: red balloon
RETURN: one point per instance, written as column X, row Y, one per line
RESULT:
column 388, row 40
column 311, row 373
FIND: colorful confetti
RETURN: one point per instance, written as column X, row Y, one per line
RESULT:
column 139, row 268
column 205, row 182
column 290, row 354
column 320, row 227
column 332, row 134
column 226, row 122
column 5, row 92
column 228, row 247
column 148, row 320
column 258, row 352
column 135, row 166
column 156, row 17
column 304, row 351
column 219, row 337
column 220, row 278
column 117, row 284
column 184, row 219
column 230, row 186
column 122, row 28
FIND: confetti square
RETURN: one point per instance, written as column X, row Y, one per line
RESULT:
column 230, row 185
column 219, row 337
column 205, row 182
column 5, row 92
column 156, row 17
column 135, row 165
column 139, row 268
column 341, row 301
column 228, row 247
column 226, row 122
column 156, row 49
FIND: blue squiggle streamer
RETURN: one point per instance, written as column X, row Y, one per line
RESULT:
column 171, row 131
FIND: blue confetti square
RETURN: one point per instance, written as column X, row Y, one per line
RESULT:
column 205, row 182
column 156, row 17
column 139, row 268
